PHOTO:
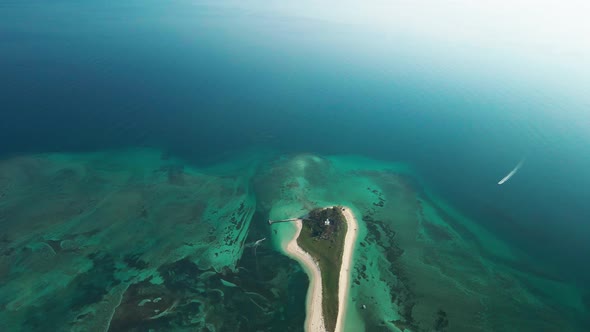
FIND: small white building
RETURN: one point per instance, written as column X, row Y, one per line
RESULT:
column 327, row 222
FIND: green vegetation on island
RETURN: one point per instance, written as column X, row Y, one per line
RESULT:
column 322, row 236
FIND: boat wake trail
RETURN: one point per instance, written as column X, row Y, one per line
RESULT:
column 511, row 174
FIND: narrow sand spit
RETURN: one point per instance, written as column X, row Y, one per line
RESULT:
column 344, row 279
column 314, row 321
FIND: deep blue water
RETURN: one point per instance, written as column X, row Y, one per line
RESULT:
column 198, row 81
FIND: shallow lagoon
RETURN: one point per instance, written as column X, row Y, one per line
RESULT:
column 137, row 239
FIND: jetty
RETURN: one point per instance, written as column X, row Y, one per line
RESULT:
column 270, row 222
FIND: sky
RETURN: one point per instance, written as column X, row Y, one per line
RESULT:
column 544, row 40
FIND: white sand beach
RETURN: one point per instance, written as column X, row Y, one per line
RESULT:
column 314, row 321
column 344, row 279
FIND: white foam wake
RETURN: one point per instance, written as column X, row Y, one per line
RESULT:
column 511, row 174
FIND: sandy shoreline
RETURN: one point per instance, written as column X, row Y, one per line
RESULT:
column 344, row 279
column 314, row 321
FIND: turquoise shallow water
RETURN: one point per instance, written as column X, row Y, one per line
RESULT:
column 135, row 239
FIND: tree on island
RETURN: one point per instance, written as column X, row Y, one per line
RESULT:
column 324, row 223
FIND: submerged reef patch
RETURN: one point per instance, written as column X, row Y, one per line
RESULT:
column 131, row 241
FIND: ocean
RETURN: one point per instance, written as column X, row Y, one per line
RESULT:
column 121, row 119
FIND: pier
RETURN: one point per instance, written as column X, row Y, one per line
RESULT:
column 270, row 222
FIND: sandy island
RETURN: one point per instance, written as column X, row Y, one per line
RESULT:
column 314, row 321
